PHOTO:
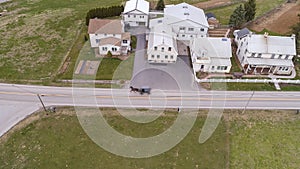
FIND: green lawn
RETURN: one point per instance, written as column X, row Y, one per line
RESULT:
column 255, row 139
column 37, row 35
column 58, row 141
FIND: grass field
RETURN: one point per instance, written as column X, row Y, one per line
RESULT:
column 255, row 139
column 36, row 35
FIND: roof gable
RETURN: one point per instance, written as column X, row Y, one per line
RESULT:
column 184, row 11
column 140, row 5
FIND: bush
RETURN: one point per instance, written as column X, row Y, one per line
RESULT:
column 109, row 54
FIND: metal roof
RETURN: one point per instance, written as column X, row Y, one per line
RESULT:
column 212, row 47
column 272, row 44
column 160, row 35
column 242, row 33
column 184, row 11
column 270, row 62
column 140, row 5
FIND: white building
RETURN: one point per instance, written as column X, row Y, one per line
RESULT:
column 136, row 13
column 211, row 54
column 186, row 21
column 264, row 54
column 162, row 47
column 109, row 35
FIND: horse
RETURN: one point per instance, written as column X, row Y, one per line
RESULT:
column 132, row 89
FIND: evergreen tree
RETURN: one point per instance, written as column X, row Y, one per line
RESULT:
column 160, row 5
column 250, row 10
column 237, row 19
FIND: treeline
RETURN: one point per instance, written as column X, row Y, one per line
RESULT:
column 104, row 12
column 296, row 31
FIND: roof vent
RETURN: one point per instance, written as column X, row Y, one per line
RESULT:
column 186, row 14
column 184, row 7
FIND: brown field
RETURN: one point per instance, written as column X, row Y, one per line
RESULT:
column 280, row 21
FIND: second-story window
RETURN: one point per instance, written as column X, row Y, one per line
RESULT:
column 155, row 47
column 170, row 48
column 124, row 41
column 182, row 28
column 162, row 49
column 191, row 29
column 202, row 29
column 259, row 55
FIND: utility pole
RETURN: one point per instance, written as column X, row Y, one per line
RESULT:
column 41, row 102
column 248, row 102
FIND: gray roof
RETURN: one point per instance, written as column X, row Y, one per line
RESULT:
column 243, row 32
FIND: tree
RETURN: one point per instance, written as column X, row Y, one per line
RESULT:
column 237, row 18
column 160, row 5
column 296, row 31
column 250, row 10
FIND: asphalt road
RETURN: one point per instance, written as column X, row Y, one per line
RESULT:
column 18, row 101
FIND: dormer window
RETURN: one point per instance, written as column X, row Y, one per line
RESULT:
column 170, row 48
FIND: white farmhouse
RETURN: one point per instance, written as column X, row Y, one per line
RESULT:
column 264, row 54
column 136, row 13
column 186, row 21
column 162, row 46
column 109, row 35
column 211, row 54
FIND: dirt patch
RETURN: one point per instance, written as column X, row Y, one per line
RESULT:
column 279, row 21
column 212, row 4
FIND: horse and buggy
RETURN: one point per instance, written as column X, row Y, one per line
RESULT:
column 141, row 90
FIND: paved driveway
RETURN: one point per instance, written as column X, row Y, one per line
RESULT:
column 160, row 76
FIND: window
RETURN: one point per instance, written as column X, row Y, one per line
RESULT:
column 162, row 49
column 186, row 13
column 114, row 34
column 259, row 55
column 114, row 49
column 166, row 57
column 128, row 16
column 202, row 29
column 273, row 56
column 152, row 56
column 287, row 57
column 134, row 16
column 253, row 55
column 219, row 67
column 202, row 67
column 97, row 40
column 124, row 41
column 225, row 67
column 280, row 56
column 287, row 68
column 246, row 51
column 213, row 67
column 280, row 68
column 155, row 47
column 158, row 56
column 170, row 48
column 239, row 51
column 242, row 44
column 172, row 56
column 105, row 34
column 141, row 16
column 104, row 48
column 182, row 28
column 183, row 36
column 191, row 29
column 191, row 36
column 185, row 7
